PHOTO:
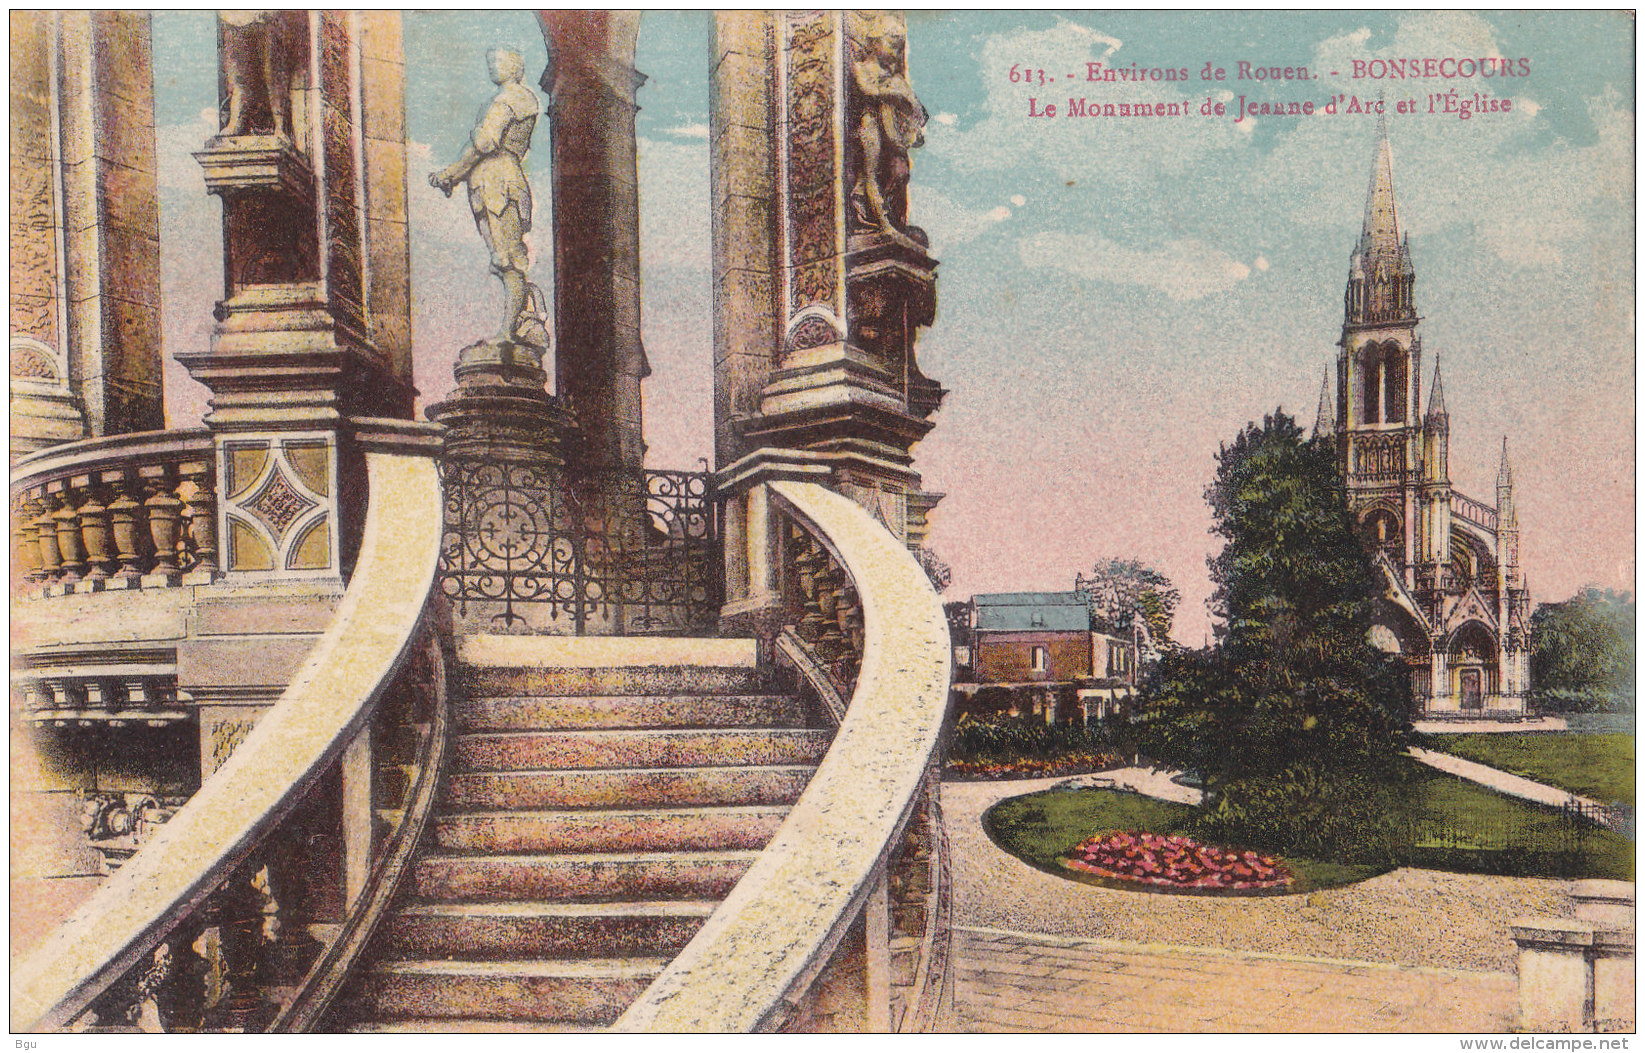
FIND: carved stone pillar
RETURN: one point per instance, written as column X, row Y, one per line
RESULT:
column 313, row 326
column 85, row 262
column 821, row 281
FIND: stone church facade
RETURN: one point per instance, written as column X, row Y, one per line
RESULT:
column 1454, row 605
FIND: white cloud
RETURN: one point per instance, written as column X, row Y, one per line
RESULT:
column 1018, row 200
column 1185, row 269
column 690, row 131
column 951, row 223
column 1260, row 263
column 947, row 119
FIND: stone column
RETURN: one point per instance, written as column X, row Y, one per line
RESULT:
column 821, row 282
column 599, row 360
column 314, row 324
column 85, row 228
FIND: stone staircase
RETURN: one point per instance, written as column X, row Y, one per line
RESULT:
column 601, row 797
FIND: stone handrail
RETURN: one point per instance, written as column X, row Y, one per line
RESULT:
column 752, row 966
column 792, row 651
column 122, row 511
column 302, row 737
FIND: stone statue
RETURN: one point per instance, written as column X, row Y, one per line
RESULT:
column 501, row 197
column 885, row 120
column 261, row 51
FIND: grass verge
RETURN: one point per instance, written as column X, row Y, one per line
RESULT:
column 1595, row 764
column 1040, row 828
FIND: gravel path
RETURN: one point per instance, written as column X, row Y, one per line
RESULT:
column 1501, row 781
column 1405, row 917
column 1490, row 727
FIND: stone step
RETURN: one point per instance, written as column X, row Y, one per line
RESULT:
column 580, row 876
column 477, row 681
column 585, row 991
column 609, row 665
column 467, row 1026
column 639, row 830
column 664, row 748
column 545, row 929
column 632, row 787
column 527, row 712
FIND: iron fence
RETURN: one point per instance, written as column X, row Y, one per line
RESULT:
column 536, row 548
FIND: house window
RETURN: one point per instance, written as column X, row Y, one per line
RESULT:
column 1036, row 659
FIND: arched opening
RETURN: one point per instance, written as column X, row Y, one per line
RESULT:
column 1472, row 655
column 1393, row 385
column 1382, row 383
column 1382, row 530
column 1471, row 563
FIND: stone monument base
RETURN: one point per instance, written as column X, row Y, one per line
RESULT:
column 501, row 408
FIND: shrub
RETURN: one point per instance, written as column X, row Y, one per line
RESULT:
column 1355, row 817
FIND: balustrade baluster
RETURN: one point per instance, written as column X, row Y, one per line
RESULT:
column 163, row 512
column 180, row 997
column 66, row 525
column 94, row 529
column 240, row 929
column 128, row 521
column 27, row 535
column 201, row 506
column 294, row 946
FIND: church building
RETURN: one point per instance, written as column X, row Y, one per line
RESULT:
column 1455, row 605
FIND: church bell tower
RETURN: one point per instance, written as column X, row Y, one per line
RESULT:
column 1379, row 429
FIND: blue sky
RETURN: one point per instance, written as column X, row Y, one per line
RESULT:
column 1118, row 296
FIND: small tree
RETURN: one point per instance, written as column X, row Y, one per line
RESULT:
column 1583, row 651
column 934, row 566
column 1293, row 720
column 1125, row 594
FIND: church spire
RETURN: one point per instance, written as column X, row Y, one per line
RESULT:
column 1505, row 474
column 1380, row 276
column 1325, row 416
column 1436, row 400
column 1381, row 229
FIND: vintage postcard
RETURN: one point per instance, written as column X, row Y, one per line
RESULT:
column 823, row 521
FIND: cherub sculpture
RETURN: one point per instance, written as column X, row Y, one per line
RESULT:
column 885, row 121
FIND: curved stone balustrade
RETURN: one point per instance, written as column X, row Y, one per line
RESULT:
column 219, row 861
column 861, row 853
column 121, row 512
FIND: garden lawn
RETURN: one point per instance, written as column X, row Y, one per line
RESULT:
column 1597, row 765
column 1492, row 833
column 1040, row 828
column 1453, row 825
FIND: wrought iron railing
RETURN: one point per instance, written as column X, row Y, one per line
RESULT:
column 534, row 548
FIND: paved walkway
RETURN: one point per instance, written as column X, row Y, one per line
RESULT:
column 1489, row 727
column 1201, row 947
column 1006, row 981
column 1501, row 781
column 1151, row 782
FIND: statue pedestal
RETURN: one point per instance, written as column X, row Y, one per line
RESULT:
column 501, row 409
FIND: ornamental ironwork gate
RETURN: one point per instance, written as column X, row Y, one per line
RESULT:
column 531, row 548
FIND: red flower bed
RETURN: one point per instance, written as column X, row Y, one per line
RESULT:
column 1176, row 862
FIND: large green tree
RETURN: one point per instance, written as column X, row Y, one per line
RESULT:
column 1583, row 651
column 1293, row 719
